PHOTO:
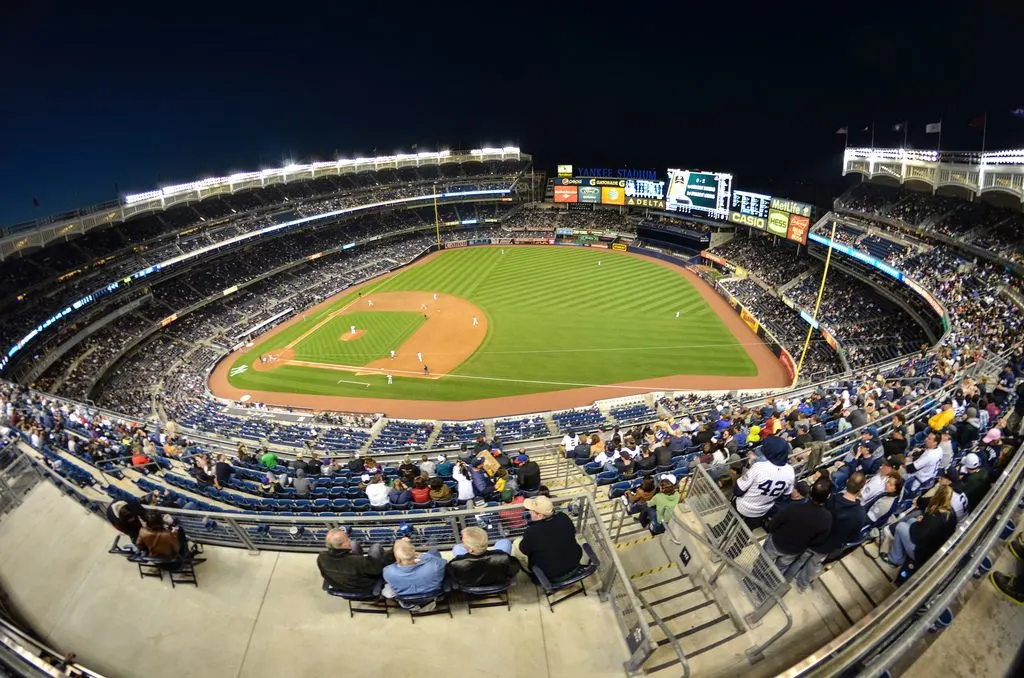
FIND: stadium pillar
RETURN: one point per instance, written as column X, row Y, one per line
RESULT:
column 817, row 303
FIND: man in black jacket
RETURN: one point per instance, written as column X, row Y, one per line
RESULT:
column 848, row 518
column 345, row 568
column 549, row 542
column 798, row 528
column 473, row 564
column 527, row 473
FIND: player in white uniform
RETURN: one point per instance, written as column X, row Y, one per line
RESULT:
column 352, row 329
column 392, row 354
column 419, row 356
column 435, row 296
column 389, row 380
column 475, row 321
column 765, row 481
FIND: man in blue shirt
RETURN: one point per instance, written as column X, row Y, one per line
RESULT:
column 413, row 574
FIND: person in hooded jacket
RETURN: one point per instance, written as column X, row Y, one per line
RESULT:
column 482, row 483
column 969, row 429
column 764, row 482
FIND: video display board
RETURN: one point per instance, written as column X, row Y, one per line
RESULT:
column 696, row 191
column 779, row 216
column 750, row 204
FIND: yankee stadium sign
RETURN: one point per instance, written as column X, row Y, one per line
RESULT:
column 649, row 175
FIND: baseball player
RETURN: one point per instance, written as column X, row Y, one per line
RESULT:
column 423, row 306
column 426, row 370
column 419, row 356
column 392, row 357
column 352, row 329
column 369, row 302
column 435, row 296
column 677, row 314
column 389, row 380
column 476, row 321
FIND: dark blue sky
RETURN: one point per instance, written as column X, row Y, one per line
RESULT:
column 136, row 94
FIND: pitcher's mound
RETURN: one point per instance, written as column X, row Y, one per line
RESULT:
column 348, row 336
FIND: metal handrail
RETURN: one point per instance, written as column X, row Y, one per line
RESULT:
column 672, row 640
column 16, row 640
column 757, row 650
column 887, row 619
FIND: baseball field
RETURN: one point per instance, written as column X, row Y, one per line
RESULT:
column 495, row 324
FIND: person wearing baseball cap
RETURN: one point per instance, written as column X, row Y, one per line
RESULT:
column 527, row 472
column 976, row 480
column 549, row 542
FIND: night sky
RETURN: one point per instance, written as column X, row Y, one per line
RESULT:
column 134, row 95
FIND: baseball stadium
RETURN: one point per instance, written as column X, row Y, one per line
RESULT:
column 427, row 398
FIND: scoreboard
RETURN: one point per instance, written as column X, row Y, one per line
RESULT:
column 751, row 204
column 610, row 191
column 696, row 191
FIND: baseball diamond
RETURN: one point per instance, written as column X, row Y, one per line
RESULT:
column 479, row 333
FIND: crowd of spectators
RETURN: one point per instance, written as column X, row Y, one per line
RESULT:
column 773, row 263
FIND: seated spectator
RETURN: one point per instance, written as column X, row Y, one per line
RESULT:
column 882, row 504
column 428, row 469
column 270, row 485
column 582, row 449
column 549, row 542
column 314, row 467
column 419, row 491
column 375, row 489
column 624, row 464
column 917, row 540
column 269, row 460
column 126, row 517
column 157, row 539
column 141, row 462
column 798, row 528
column 636, row 500
column 407, row 468
column 943, row 418
column 646, row 461
column 923, row 462
column 473, row 564
column 976, row 481
column 662, row 504
column 439, row 491
column 222, row 471
column 299, row 463
column 958, row 500
column 344, row 566
column 756, row 492
column 201, row 470
column 483, row 486
column 303, row 485
column 875, row 485
column 462, row 476
column 372, row 467
column 413, row 574
column 527, row 472
column 443, row 467
column 848, row 519
column 399, row 493
column 356, row 464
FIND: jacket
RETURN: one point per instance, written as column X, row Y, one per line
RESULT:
column 399, row 496
column 490, row 568
column 351, row 573
column 550, row 544
column 159, row 543
column 444, row 469
column 269, row 460
column 799, row 527
column 975, row 486
column 848, row 518
column 425, row 576
column 443, row 493
column 581, row 451
column 664, row 505
column 420, row 494
column 528, row 476
column 663, row 455
column 942, row 419
column 930, row 533
column 482, row 484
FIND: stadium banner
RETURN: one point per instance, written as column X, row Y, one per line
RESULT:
column 534, row 241
column 563, row 231
column 590, row 194
column 714, row 258
column 740, row 272
column 566, row 194
column 791, row 207
column 750, row 220
column 652, row 203
column 589, row 181
column 750, row 320
column 829, row 339
column 619, row 246
column 612, row 195
column 565, row 170
column 798, row 228
column 501, row 241
column 787, row 362
column 606, row 238
column 778, row 222
column 168, row 320
column 455, row 243
column 913, row 284
column 479, row 241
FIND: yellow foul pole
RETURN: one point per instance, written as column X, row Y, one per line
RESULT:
column 437, row 219
column 817, row 303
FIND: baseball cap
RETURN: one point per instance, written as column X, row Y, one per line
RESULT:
column 521, row 459
column 970, row 462
column 993, row 435
column 669, row 477
column 478, row 462
column 540, row 504
column 441, row 458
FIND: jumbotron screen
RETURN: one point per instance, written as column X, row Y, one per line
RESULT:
column 696, row 191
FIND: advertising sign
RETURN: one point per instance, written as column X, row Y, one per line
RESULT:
column 564, row 170
column 751, row 204
column 565, row 194
column 618, row 246
column 645, row 202
column 454, row 244
column 714, row 258
column 748, row 220
column 829, row 339
column 791, row 206
column 589, row 194
column 613, row 195
column 750, row 320
column 778, row 222
column 798, row 228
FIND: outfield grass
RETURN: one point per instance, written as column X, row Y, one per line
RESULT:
column 556, row 320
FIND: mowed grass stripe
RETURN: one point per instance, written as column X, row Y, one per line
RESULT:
column 554, row 316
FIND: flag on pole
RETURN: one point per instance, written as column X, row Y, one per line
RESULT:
column 843, row 130
column 977, row 123
column 897, row 127
column 933, row 127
